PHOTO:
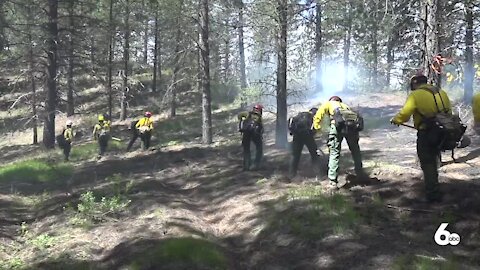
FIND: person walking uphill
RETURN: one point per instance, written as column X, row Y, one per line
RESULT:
column 424, row 103
column 101, row 133
column 142, row 128
column 251, row 127
column 344, row 123
column 68, row 136
column 301, row 128
column 64, row 139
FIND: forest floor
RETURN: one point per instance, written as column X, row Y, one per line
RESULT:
column 184, row 205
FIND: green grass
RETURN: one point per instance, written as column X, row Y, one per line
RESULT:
column 313, row 214
column 35, row 171
column 410, row 262
column 89, row 150
column 182, row 252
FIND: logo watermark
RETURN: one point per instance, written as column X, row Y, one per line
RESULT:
column 443, row 237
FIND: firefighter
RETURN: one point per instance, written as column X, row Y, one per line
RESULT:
column 251, row 127
column 142, row 128
column 422, row 103
column 101, row 133
column 68, row 137
column 301, row 128
column 336, row 110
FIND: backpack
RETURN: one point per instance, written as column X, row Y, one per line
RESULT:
column 249, row 125
column 445, row 130
column 61, row 139
column 347, row 121
column 301, row 123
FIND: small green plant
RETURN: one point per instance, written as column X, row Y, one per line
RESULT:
column 89, row 209
column 13, row 264
column 42, row 242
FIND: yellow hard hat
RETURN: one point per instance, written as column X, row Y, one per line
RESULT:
column 101, row 117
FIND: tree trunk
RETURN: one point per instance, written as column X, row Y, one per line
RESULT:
column 281, row 120
column 145, row 36
column 92, row 50
column 390, row 58
column 126, row 59
column 375, row 46
column 430, row 39
column 226, row 62
column 51, row 72
column 71, row 22
column 111, row 38
column 241, row 53
column 205, row 74
column 469, row 70
column 155, row 52
column 31, row 74
column 176, row 69
column 318, row 47
column 347, row 44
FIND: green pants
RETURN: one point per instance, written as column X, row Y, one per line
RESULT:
column 300, row 140
column 428, row 157
column 335, row 147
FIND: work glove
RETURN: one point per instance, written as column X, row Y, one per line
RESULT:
column 392, row 121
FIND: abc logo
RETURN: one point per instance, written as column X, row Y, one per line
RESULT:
column 443, row 237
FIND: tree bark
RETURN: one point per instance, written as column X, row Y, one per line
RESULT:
column 111, row 38
column 145, row 36
column 31, row 74
column 430, row 39
column 347, row 44
column 205, row 73
column 126, row 59
column 318, row 47
column 226, row 60
column 469, row 70
column 176, row 68
column 51, row 72
column 155, row 52
column 281, row 120
column 241, row 52
column 70, row 90
column 375, row 46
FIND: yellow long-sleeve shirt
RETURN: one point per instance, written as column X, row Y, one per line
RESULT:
column 421, row 103
column 68, row 134
column 101, row 127
column 145, row 122
column 476, row 108
column 327, row 108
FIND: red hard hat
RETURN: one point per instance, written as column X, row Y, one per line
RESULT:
column 258, row 107
column 148, row 114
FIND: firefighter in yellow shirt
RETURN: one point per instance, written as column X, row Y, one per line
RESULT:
column 143, row 128
column 68, row 136
column 422, row 103
column 476, row 110
column 251, row 127
column 101, row 133
column 335, row 138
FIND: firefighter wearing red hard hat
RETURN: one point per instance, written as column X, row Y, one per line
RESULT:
column 251, row 127
column 142, row 128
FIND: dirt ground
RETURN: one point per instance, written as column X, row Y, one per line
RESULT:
column 252, row 218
